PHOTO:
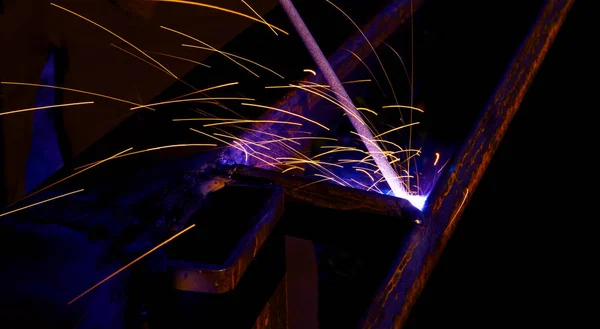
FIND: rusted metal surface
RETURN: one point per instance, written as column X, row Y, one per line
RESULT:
column 209, row 278
column 405, row 282
column 274, row 315
column 326, row 195
column 344, row 63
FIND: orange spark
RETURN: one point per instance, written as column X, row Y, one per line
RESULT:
column 356, row 81
column 243, row 148
column 459, row 207
column 367, row 110
column 340, row 183
column 401, row 62
column 45, row 107
column 149, row 63
column 367, row 67
column 151, row 149
column 116, row 35
column 287, row 112
column 207, row 89
column 131, row 263
column 330, row 99
column 315, row 182
column 292, row 139
column 235, row 56
column 281, row 138
column 403, row 107
column 339, row 149
column 260, row 17
column 443, row 166
column 73, row 90
column 177, row 57
column 366, row 173
column 38, row 203
column 241, row 140
column 73, row 175
column 199, row 4
column 370, row 45
column 195, row 100
column 211, row 47
column 297, row 161
column 251, row 121
column 234, row 146
column 292, row 168
column 397, row 128
column 138, row 57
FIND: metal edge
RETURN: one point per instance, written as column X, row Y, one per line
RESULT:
column 393, row 302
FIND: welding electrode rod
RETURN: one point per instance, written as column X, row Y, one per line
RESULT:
column 361, row 128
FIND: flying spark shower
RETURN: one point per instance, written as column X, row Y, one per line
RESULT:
column 342, row 96
column 275, row 140
column 274, row 136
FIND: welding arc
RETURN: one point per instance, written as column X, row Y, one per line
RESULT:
column 353, row 114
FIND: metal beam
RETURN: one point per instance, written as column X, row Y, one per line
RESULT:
column 413, row 266
column 309, row 191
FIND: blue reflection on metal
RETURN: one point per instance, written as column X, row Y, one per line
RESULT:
column 45, row 157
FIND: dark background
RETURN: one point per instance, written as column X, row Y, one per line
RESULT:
column 501, row 264
column 506, row 261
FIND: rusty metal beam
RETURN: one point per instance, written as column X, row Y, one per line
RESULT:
column 413, row 266
column 308, row 191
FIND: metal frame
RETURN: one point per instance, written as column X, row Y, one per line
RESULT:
column 392, row 305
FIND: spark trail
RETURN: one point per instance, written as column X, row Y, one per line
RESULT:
column 131, row 263
column 342, row 96
column 284, row 153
